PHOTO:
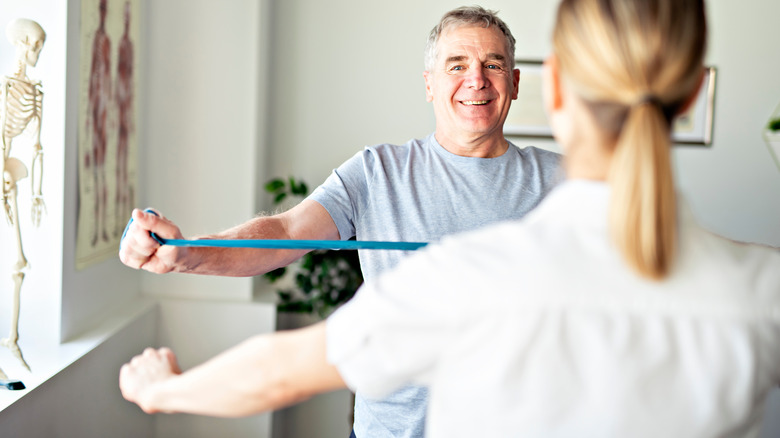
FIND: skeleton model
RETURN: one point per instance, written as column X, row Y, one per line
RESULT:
column 21, row 103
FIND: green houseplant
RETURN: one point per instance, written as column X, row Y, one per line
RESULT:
column 774, row 125
column 321, row 280
column 772, row 136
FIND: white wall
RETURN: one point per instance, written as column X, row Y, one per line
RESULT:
column 203, row 78
column 735, row 185
column 204, row 115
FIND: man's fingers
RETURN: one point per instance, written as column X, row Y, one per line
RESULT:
column 154, row 222
column 171, row 358
column 139, row 249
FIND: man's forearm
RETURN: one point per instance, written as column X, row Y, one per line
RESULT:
column 239, row 262
column 307, row 220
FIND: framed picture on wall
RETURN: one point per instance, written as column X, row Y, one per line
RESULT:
column 527, row 117
column 695, row 126
column 107, row 138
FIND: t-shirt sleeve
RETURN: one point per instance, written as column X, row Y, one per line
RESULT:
column 396, row 328
column 343, row 193
column 547, row 167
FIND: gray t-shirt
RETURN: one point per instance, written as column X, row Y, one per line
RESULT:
column 420, row 192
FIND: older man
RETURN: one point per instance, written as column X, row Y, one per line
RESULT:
column 463, row 176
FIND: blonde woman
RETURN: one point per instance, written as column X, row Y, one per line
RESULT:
column 605, row 312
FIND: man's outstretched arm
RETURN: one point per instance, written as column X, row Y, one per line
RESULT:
column 307, row 220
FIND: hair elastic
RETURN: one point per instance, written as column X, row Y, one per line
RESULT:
column 650, row 99
column 668, row 111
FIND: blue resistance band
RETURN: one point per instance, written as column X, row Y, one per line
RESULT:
column 282, row 243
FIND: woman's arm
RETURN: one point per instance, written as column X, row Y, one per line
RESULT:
column 265, row 372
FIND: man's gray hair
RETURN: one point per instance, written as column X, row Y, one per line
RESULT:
column 467, row 16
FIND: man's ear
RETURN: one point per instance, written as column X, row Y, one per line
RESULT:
column 428, row 88
column 692, row 98
column 551, row 85
column 515, row 82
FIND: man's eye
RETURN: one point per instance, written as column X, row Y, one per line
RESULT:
column 456, row 68
column 493, row 67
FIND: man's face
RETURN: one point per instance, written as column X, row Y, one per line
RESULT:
column 472, row 83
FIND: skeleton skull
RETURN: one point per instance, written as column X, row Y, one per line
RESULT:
column 28, row 37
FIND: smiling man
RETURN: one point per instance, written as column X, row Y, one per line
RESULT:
column 464, row 176
column 471, row 80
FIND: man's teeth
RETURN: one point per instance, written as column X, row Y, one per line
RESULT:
column 475, row 102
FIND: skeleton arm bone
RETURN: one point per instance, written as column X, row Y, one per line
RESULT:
column 6, row 148
column 36, row 176
column 38, row 205
column 7, row 181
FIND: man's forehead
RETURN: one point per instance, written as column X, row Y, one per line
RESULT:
column 460, row 40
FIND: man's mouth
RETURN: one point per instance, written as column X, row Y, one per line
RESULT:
column 475, row 102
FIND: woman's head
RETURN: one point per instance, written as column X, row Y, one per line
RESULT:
column 635, row 64
column 623, row 51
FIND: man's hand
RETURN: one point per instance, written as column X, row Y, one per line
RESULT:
column 144, row 373
column 140, row 251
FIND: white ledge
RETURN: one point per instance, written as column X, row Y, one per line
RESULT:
column 49, row 360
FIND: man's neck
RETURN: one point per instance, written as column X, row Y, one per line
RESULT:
column 480, row 147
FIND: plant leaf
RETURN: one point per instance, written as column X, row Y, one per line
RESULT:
column 276, row 274
column 299, row 189
column 274, row 185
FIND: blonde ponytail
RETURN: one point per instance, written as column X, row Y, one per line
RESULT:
column 643, row 214
column 635, row 63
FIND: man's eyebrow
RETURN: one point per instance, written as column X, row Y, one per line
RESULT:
column 496, row 56
column 456, row 58
column 461, row 58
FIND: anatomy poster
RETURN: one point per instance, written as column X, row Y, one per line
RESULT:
column 107, row 126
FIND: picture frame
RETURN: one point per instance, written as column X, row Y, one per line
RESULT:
column 109, row 83
column 695, row 126
column 527, row 117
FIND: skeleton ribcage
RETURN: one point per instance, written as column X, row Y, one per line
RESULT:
column 23, row 104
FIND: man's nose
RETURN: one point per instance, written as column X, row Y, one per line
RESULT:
column 477, row 79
